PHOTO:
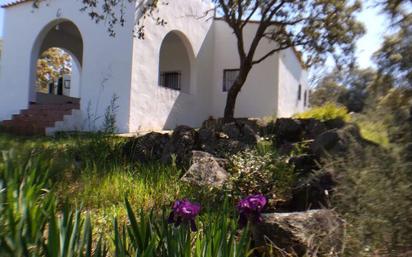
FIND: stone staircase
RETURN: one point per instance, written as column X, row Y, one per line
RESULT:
column 38, row 117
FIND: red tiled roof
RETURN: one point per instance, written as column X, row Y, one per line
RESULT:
column 13, row 2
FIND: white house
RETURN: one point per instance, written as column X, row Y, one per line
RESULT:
column 177, row 75
column 1, row 51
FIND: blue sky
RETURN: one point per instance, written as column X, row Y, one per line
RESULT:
column 376, row 25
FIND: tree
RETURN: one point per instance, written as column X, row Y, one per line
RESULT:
column 328, row 90
column 52, row 64
column 353, row 87
column 399, row 10
column 320, row 28
column 395, row 56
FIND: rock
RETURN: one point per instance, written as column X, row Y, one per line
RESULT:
column 197, row 156
column 288, row 130
column 337, row 123
column 338, row 141
column 183, row 140
column 248, row 135
column 227, row 146
column 146, row 148
column 304, row 164
column 206, row 171
column 312, row 128
column 208, row 140
column 314, row 193
column 231, row 130
column 327, row 142
column 310, row 233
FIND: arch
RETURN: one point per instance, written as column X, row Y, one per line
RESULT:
column 176, row 62
column 63, row 34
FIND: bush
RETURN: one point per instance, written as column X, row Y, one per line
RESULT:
column 254, row 171
column 328, row 111
column 373, row 195
column 372, row 128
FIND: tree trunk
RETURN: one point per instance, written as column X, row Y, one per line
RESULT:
column 233, row 93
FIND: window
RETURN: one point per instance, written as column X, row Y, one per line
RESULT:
column 300, row 93
column 305, row 99
column 229, row 77
column 171, row 80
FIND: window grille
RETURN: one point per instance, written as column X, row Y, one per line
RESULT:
column 229, row 77
column 171, row 80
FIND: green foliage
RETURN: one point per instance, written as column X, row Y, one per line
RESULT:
column 373, row 196
column 28, row 213
column 394, row 57
column 326, row 112
column 109, row 123
column 254, row 172
column 372, row 128
column 150, row 235
column 34, row 222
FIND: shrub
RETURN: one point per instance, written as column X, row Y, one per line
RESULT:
column 254, row 172
column 373, row 195
column 328, row 111
column 372, row 128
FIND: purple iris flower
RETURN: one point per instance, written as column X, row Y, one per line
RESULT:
column 184, row 211
column 250, row 208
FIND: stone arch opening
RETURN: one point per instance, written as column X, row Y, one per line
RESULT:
column 176, row 62
column 63, row 37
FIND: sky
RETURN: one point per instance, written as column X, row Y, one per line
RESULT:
column 375, row 23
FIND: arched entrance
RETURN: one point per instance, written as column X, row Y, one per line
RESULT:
column 62, row 38
column 175, row 63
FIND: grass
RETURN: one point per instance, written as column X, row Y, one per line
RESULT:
column 89, row 171
column 73, row 190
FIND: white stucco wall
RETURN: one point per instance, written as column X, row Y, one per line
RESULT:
column 291, row 75
column 129, row 67
column 258, row 96
column 155, row 107
column 106, row 68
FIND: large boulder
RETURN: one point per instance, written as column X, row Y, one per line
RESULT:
column 146, row 148
column 206, row 171
column 336, row 123
column 231, row 130
column 313, row 192
column 338, row 141
column 310, row 233
column 312, row 128
column 288, row 130
column 183, row 140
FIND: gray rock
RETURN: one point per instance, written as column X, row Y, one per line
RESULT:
column 231, row 130
column 312, row 128
column 338, row 141
column 208, row 139
column 146, row 148
column 337, row 123
column 206, row 171
column 310, row 233
column 197, row 156
column 249, row 135
column 288, row 130
column 183, row 140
